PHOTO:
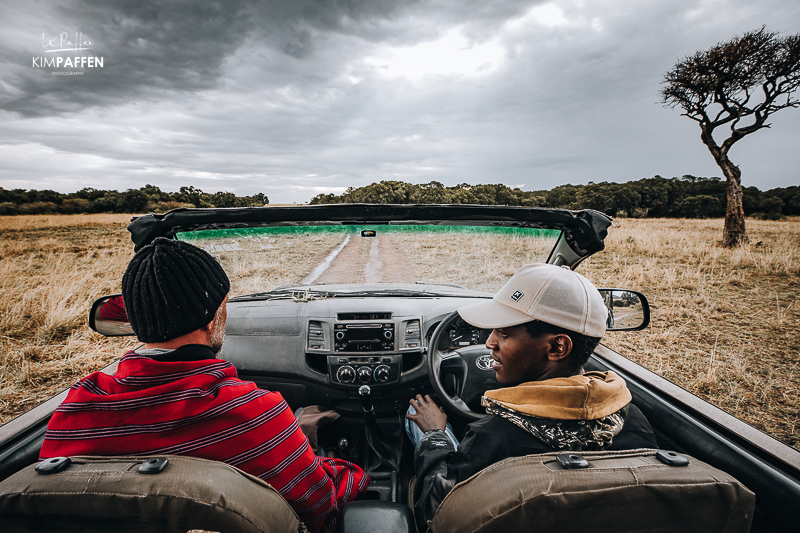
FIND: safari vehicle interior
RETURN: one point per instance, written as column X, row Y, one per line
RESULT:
column 353, row 308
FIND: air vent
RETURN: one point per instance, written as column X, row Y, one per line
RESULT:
column 364, row 316
column 412, row 337
column 316, row 336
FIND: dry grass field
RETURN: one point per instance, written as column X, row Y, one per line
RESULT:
column 51, row 269
column 480, row 262
column 725, row 322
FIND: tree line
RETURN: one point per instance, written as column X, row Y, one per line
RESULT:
column 687, row 197
column 146, row 199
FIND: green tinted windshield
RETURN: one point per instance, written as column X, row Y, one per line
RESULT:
column 476, row 257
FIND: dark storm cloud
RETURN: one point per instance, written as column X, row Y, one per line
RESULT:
column 149, row 48
column 396, row 22
column 152, row 47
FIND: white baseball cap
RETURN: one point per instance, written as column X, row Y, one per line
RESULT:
column 539, row 291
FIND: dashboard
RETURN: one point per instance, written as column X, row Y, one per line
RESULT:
column 321, row 351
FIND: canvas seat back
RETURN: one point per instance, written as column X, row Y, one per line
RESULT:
column 614, row 491
column 170, row 493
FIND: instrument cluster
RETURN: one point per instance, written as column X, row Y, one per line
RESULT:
column 461, row 334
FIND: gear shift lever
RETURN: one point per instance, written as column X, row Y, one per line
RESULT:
column 370, row 421
column 377, row 440
column 365, row 395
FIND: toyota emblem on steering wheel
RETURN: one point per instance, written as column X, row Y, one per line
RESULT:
column 484, row 362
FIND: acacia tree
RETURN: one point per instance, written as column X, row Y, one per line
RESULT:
column 738, row 83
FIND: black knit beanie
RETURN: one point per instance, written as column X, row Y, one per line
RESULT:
column 172, row 288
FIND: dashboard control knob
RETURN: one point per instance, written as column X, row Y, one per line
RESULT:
column 364, row 374
column 346, row 374
column 382, row 373
column 388, row 334
column 340, row 335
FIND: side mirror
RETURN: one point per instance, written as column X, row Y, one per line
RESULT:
column 627, row 310
column 108, row 317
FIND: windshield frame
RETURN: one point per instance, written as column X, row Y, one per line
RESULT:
column 583, row 232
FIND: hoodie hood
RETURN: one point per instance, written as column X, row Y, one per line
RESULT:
column 589, row 396
column 577, row 413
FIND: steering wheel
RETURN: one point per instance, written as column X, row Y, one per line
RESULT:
column 471, row 365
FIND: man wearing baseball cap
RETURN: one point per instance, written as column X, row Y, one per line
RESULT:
column 174, row 396
column 546, row 321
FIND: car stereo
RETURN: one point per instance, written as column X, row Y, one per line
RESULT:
column 364, row 337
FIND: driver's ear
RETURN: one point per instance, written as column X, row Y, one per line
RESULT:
column 218, row 316
column 559, row 347
column 208, row 328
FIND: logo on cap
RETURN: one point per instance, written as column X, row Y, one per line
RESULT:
column 516, row 296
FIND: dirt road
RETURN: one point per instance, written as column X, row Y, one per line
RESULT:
column 363, row 260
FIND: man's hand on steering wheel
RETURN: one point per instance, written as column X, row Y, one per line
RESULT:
column 471, row 365
column 428, row 415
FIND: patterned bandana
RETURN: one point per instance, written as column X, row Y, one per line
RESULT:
column 571, row 435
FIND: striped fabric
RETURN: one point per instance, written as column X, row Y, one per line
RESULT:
column 200, row 408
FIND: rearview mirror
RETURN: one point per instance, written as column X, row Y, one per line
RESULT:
column 108, row 317
column 627, row 310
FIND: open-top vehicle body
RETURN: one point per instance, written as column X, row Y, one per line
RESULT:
column 352, row 307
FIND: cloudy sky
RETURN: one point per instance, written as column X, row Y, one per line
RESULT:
column 297, row 97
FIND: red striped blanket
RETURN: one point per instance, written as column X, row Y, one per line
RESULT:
column 200, row 408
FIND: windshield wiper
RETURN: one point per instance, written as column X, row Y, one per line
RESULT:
column 298, row 295
column 305, row 295
column 392, row 292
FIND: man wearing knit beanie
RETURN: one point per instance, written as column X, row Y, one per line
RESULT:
column 173, row 396
column 175, row 294
column 546, row 321
column 173, row 289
